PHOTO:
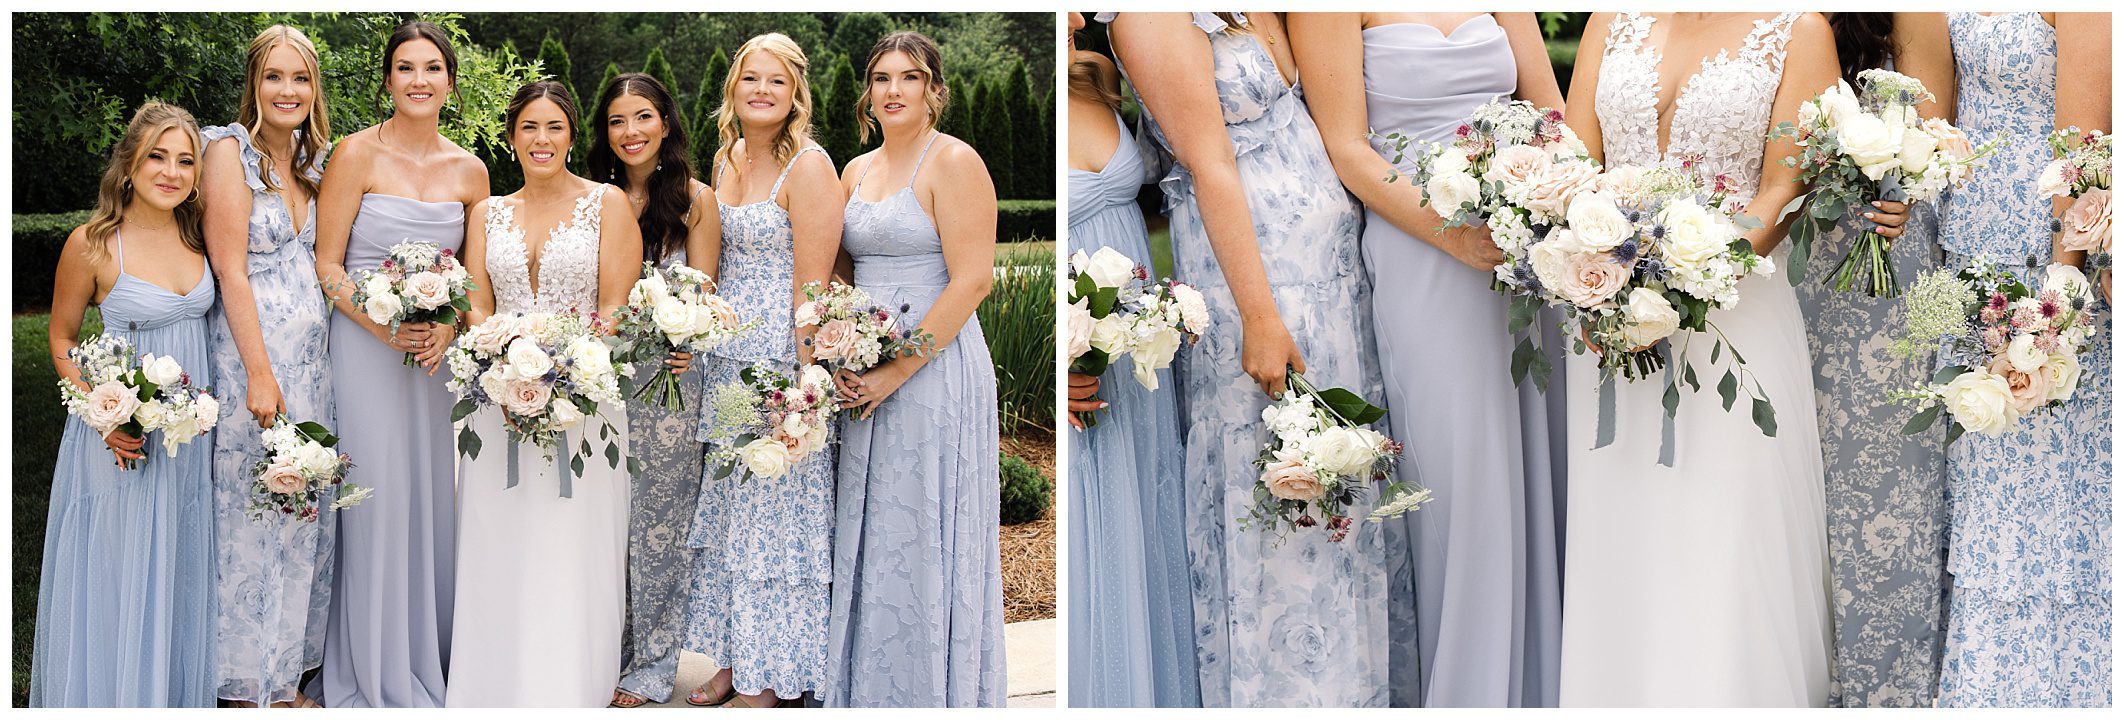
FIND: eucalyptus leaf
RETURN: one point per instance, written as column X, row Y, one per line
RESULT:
column 1923, row 421
column 1728, row 389
column 1765, row 417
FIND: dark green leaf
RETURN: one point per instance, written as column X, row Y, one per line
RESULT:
column 612, row 455
column 464, row 408
column 1689, row 376
column 468, row 443
column 1350, row 406
column 1954, row 431
column 1728, row 389
column 1671, row 399
column 1765, row 417
column 1949, row 373
column 1923, row 421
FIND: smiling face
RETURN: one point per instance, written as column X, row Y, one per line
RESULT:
column 419, row 79
column 541, row 138
column 899, row 93
column 765, row 90
column 287, row 88
column 166, row 170
column 635, row 130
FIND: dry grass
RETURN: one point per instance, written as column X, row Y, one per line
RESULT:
column 1029, row 548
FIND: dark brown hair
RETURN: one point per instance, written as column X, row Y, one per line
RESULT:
column 549, row 90
column 663, row 218
column 410, row 31
column 1864, row 41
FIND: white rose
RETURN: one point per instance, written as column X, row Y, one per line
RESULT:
column 1870, row 143
column 161, row 369
column 376, row 284
column 673, row 318
column 1693, row 234
column 1840, row 103
column 1110, row 334
column 1340, row 450
column 1917, row 151
column 1552, row 256
column 1080, row 327
column 1107, row 267
column 814, row 376
column 382, row 308
column 1449, row 161
column 1809, row 111
column 808, row 314
column 566, row 416
column 1570, row 141
column 1153, row 354
column 151, row 415
column 1980, row 401
column 653, row 287
column 206, row 409
column 526, row 360
column 2063, row 371
column 493, row 382
column 592, row 358
column 1194, row 310
column 765, row 457
column 315, row 460
column 2065, row 279
column 1449, row 191
column 428, row 290
column 1597, row 223
column 2052, row 181
column 1648, row 317
column 2024, row 355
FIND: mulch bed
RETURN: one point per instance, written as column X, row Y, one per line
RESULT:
column 1029, row 548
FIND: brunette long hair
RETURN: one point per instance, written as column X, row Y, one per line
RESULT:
column 663, row 218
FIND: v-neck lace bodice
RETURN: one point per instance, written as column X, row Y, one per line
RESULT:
column 1720, row 115
column 567, row 262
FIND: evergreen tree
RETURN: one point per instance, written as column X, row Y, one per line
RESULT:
column 992, row 124
column 1044, row 187
column 705, row 137
column 832, row 100
column 553, row 61
column 856, row 32
column 582, row 144
column 659, row 68
column 1032, row 150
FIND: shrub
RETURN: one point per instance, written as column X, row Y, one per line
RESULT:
column 1025, row 491
column 38, row 239
column 1018, row 220
column 1019, row 319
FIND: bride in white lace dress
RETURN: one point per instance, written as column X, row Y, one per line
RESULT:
column 541, row 579
column 1704, row 583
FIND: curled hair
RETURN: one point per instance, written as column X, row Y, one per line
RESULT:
column 549, row 90
column 1863, row 41
column 1089, row 80
column 926, row 58
column 115, row 191
column 663, row 218
column 410, row 31
column 316, row 130
column 797, row 129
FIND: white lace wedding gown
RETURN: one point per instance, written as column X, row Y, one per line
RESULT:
column 1705, row 583
column 541, row 579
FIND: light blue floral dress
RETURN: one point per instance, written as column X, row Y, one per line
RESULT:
column 1294, row 620
column 2028, row 620
column 760, row 590
column 276, row 573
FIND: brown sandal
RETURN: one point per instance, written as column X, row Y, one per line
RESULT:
column 699, row 696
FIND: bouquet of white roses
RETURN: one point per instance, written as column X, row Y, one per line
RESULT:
column 1857, row 147
column 2009, row 348
column 300, row 466
column 672, row 309
column 137, row 397
column 1320, row 456
column 547, row 373
column 855, row 334
column 2081, row 172
column 1514, row 167
column 417, row 282
column 1114, row 310
column 772, row 420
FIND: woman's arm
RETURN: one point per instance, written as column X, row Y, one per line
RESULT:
column 1329, row 48
column 2082, row 95
column 75, row 284
column 1169, row 61
column 338, row 201
column 619, row 252
column 1579, row 114
column 228, row 239
column 1810, row 66
column 1922, row 52
column 1530, row 56
column 816, row 206
column 474, row 256
column 704, row 231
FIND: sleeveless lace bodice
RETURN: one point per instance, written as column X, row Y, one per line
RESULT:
column 567, row 266
column 1721, row 115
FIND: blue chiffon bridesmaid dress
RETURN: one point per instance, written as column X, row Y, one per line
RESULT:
column 125, row 600
column 1132, row 620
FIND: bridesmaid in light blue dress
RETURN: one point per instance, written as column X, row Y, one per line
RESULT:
column 1131, row 629
column 388, row 634
column 917, row 565
column 1476, row 578
column 2028, row 620
column 1295, row 620
column 125, row 601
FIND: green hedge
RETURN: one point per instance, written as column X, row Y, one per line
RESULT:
column 1019, row 320
column 1018, row 220
column 38, row 239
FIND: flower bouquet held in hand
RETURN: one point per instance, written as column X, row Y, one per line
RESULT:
column 300, row 468
column 1856, row 148
column 2007, row 348
column 547, row 373
column 672, row 309
column 855, row 334
column 2081, row 172
column 1321, row 457
column 417, row 283
column 1114, row 310
column 136, row 397
column 770, row 420
column 1514, row 167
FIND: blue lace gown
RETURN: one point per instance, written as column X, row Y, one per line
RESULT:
column 1132, row 624
column 276, row 572
column 2028, row 620
column 1293, row 620
column 387, row 638
column 917, row 563
column 760, row 590
column 125, row 601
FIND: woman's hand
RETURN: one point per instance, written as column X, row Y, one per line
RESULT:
column 262, row 398
column 434, row 340
column 1888, row 217
column 870, row 389
column 678, row 361
column 1268, row 354
column 1471, row 245
column 1083, row 397
column 125, row 447
column 1586, row 332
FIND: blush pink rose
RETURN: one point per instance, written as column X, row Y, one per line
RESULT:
column 833, row 340
column 2030, row 389
column 429, row 290
column 1292, row 480
column 1515, row 165
column 109, row 406
column 1590, row 279
column 282, row 477
column 2087, row 223
column 1549, row 192
column 525, row 398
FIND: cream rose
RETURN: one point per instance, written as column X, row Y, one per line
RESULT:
column 2052, row 181
column 315, row 459
column 1153, row 354
column 2065, row 279
column 2023, row 354
column 527, row 360
column 1110, row 334
column 1107, row 268
column 1951, row 141
column 382, row 308
column 1515, row 165
column 1078, row 315
column 1622, row 182
column 2086, row 224
column 1840, row 103
column 673, row 318
column 1550, row 192
column 523, row 397
column 1450, row 191
column 2062, row 371
column 109, row 405
column 2030, row 389
column 765, row 457
column 1597, row 223
column 283, row 478
column 721, row 312
column 807, row 314
column 152, row 415
column 428, row 290
column 1872, row 144
column 833, row 340
column 566, row 416
column 1648, row 318
column 1592, row 278
column 1343, row 451
column 161, row 369
column 1551, row 255
column 1694, row 236
column 1917, row 151
column 1980, row 401
column 1290, row 479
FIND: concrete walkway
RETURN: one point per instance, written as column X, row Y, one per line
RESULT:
column 1029, row 654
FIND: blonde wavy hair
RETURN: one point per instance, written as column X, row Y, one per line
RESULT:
column 115, row 191
column 797, row 129
column 927, row 58
column 316, row 130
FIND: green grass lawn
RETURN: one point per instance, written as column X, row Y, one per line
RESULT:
column 39, row 419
